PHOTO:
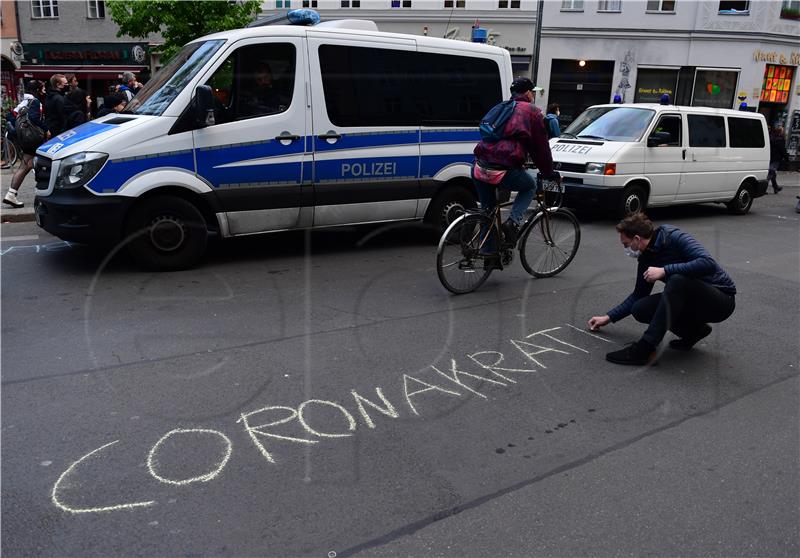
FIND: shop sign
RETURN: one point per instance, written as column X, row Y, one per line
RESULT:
column 651, row 84
column 775, row 57
column 98, row 53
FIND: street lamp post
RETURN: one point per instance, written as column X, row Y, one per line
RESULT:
column 537, row 39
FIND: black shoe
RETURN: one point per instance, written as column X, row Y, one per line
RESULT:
column 510, row 232
column 637, row 353
column 777, row 189
column 686, row 343
column 491, row 262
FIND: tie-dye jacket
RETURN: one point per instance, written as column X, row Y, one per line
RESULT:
column 524, row 135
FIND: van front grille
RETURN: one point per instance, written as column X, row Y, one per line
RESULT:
column 570, row 167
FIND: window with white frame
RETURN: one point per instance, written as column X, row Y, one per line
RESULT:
column 96, row 9
column 734, row 7
column 571, row 5
column 790, row 9
column 401, row 3
column 514, row 4
column 350, row 3
column 41, row 9
column 455, row 3
column 661, row 6
column 309, row 3
column 609, row 6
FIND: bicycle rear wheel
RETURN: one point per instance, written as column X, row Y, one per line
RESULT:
column 550, row 243
column 458, row 259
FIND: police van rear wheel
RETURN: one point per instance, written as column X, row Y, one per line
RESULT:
column 448, row 206
column 166, row 233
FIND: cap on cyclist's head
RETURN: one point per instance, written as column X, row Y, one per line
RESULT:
column 521, row 84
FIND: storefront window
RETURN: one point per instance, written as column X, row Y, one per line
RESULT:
column 790, row 9
column 652, row 83
column 714, row 88
column 777, row 84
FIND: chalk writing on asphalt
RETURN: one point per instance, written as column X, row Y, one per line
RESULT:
column 270, row 426
column 56, row 246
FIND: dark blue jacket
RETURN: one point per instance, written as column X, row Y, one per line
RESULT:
column 679, row 254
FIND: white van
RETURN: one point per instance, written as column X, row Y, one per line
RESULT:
column 275, row 128
column 634, row 156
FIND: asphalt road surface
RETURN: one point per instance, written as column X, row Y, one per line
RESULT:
column 322, row 395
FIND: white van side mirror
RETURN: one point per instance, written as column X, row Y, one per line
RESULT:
column 204, row 106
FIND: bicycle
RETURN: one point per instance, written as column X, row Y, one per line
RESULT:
column 10, row 151
column 548, row 241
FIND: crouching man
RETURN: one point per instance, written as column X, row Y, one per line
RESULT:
column 696, row 291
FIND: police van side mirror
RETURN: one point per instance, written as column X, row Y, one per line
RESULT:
column 658, row 138
column 204, row 106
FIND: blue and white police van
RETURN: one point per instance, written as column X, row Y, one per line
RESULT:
column 276, row 128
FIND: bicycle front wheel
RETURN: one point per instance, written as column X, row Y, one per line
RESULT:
column 9, row 150
column 459, row 262
column 550, row 243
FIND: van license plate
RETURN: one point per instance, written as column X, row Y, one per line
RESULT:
column 552, row 186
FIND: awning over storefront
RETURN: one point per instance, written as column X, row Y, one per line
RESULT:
column 83, row 71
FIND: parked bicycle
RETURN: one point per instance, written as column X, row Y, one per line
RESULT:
column 9, row 150
column 548, row 241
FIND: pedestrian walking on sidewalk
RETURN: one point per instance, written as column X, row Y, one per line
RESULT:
column 33, row 105
column 696, row 289
column 777, row 154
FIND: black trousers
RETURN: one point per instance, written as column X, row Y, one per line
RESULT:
column 683, row 307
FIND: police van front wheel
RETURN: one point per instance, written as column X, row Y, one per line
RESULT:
column 633, row 200
column 166, row 233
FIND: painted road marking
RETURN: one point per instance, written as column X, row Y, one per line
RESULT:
column 19, row 238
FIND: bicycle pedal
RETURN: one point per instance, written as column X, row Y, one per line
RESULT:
column 507, row 258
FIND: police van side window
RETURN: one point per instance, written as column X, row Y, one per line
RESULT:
column 706, row 131
column 745, row 132
column 384, row 87
column 256, row 80
column 672, row 125
column 367, row 86
column 455, row 90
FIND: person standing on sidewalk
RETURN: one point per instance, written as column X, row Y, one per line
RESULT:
column 777, row 154
column 696, row 289
column 35, row 90
column 54, row 105
column 551, row 121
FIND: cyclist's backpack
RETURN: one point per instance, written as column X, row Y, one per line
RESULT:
column 493, row 124
column 29, row 135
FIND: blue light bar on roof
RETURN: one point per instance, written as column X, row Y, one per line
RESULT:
column 303, row 16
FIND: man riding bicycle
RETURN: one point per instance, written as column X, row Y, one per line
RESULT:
column 500, row 164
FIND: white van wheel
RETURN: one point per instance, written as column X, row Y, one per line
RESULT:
column 166, row 233
column 633, row 200
column 743, row 201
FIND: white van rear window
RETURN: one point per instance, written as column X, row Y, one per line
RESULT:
column 745, row 132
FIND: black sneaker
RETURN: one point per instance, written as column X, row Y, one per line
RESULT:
column 637, row 353
column 510, row 232
column 491, row 262
column 686, row 343
column 777, row 189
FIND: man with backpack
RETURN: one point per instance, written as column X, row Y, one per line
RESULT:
column 511, row 131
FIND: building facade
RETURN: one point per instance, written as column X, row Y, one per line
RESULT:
column 716, row 53
column 77, row 37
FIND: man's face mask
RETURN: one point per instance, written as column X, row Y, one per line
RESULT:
column 629, row 251
column 632, row 253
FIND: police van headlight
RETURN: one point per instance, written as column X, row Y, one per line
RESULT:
column 76, row 170
column 601, row 168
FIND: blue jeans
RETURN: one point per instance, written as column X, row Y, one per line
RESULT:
column 519, row 180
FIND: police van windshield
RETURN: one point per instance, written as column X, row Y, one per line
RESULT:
column 159, row 92
column 611, row 123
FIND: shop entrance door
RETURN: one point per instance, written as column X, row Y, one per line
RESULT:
column 575, row 87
